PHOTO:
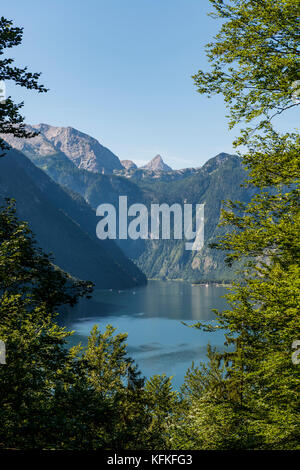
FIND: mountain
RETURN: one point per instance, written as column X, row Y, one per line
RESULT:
column 128, row 165
column 138, row 174
column 83, row 150
column 156, row 168
column 157, row 164
column 218, row 179
column 65, row 225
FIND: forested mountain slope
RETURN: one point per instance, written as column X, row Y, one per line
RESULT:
column 219, row 179
column 64, row 225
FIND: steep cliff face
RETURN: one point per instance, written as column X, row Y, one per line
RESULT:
column 218, row 179
column 83, row 150
column 64, row 225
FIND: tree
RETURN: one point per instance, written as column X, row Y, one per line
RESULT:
column 254, row 58
column 37, row 362
column 26, row 270
column 163, row 403
column 52, row 396
column 255, row 64
column 207, row 417
column 11, row 121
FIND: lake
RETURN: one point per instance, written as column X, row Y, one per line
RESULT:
column 152, row 316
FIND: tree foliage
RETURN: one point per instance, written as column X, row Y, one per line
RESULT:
column 246, row 397
column 53, row 396
column 11, row 121
column 255, row 402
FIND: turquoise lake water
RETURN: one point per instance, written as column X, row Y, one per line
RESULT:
column 152, row 316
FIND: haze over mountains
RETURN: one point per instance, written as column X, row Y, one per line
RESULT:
column 76, row 161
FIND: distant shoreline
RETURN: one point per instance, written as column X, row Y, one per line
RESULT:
column 195, row 283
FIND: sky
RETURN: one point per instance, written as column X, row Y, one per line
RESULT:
column 120, row 71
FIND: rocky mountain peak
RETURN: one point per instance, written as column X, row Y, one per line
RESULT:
column 128, row 164
column 157, row 164
column 83, row 150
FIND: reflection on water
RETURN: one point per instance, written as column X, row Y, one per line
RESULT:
column 152, row 316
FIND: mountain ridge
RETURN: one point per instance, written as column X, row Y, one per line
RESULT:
column 157, row 164
column 82, row 149
column 218, row 179
column 64, row 224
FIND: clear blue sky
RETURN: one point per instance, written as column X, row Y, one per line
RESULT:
column 120, row 70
